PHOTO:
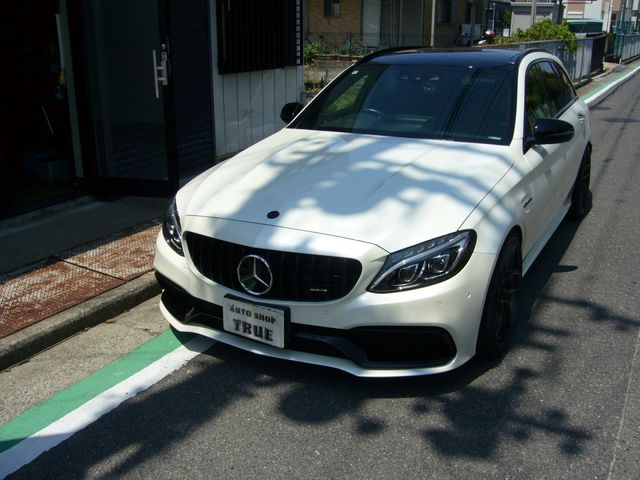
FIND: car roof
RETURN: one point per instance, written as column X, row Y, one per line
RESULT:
column 476, row 57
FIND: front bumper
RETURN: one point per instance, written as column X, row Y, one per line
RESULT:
column 417, row 332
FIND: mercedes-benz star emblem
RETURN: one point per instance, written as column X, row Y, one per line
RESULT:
column 255, row 275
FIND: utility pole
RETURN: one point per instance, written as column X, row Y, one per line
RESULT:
column 607, row 17
column 533, row 11
column 433, row 23
column 621, row 23
column 473, row 23
column 560, row 12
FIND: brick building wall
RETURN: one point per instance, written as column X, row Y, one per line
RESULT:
column 349, row 20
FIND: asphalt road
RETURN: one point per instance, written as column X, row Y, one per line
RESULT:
column 564, row 402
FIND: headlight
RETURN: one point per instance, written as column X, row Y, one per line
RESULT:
column 425, row 264
column 171, row 229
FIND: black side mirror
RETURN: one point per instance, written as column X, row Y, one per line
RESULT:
column 549, row 130
column 290, row 110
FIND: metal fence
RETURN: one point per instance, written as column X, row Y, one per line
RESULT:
column 586, row 61
column 333, row 53
column 350, row 44
column 626, row 46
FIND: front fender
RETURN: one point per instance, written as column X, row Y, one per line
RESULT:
column 499, row 212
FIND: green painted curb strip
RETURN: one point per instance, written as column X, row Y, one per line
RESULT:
column 56, row 407
column 596, row 91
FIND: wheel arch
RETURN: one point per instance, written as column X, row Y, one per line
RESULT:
column 588, row 149
column 484, row 348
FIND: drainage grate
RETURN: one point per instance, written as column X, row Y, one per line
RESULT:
column 48, row 289
column 39, row 291
column 124, row 255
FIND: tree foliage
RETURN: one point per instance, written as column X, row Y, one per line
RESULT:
column 544, row 30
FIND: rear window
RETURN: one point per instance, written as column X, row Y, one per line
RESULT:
column 424, row 101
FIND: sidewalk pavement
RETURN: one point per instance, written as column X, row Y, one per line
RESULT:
column 612, row 72
column 71, row 267
column 76, row 265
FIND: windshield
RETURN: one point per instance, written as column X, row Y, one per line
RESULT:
column 465, row 104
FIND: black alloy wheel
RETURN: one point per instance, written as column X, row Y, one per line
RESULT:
column 500, row 308
column 581, row 193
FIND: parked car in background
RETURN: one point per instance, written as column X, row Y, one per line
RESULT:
column 386, row 230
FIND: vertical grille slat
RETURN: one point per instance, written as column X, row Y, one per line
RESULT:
column 216, row 254
column 207, row 261
column 296, row 283
column 298, row 277
column 307, row 282
column 282, row 275
column 227, row 261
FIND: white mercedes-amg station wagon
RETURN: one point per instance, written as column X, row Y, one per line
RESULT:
column 386, row 230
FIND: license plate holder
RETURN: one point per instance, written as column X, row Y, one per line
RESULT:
column 261, row 322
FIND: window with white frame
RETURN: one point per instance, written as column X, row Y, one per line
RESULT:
column 331, row 8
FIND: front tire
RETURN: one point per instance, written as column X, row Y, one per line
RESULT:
column 500, row 306
column 581, row 193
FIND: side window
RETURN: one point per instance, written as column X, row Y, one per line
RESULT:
column 254, row 46
column 537, row 102
column 556, row 87
column 332, row 8
column 569, row 92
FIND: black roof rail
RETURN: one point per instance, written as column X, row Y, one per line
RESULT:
column 522, row 51
column 385, row 51
column 518, row 54
column 525, row 51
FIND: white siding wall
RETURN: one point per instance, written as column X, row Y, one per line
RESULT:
column 594, row 10
column 246, row 106
column 521, row 14
column 371, row 22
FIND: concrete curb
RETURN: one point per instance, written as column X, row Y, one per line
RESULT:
column 29, row 341
column 610, row 87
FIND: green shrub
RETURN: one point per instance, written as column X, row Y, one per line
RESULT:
column 312, row 49
column 504, row 19
column 543, row 30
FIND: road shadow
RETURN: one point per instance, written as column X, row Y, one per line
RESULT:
column 471, row 413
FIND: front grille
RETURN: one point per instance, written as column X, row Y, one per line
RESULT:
column 297, row 277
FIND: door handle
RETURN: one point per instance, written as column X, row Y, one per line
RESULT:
column 160, row 71
column 581, row 118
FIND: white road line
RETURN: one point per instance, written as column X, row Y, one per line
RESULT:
column 625, row 408
column 30, row 448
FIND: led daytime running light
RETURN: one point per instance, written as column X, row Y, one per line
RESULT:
column 171, row 229
column 425, row 264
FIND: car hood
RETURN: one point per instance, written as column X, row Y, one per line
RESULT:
column 389, row 191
